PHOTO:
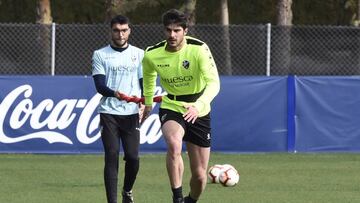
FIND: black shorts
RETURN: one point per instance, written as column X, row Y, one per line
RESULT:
column 197, row 133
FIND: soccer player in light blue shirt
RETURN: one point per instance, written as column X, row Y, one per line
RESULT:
column 117, row 69
column 122, row 70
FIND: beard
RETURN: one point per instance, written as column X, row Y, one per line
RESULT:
column 119, row 42
column 174, row 45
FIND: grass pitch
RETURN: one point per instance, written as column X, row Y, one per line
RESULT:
column 264, row 178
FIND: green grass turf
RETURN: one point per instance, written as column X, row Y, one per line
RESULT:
column 264, row 178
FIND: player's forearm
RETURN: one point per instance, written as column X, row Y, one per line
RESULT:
column 149, row 81
column 101, row 88
column 149, row 90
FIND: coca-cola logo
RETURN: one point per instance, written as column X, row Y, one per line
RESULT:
column 47, row 119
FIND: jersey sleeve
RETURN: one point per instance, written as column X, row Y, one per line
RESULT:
column 209, row 71
column 149, row 80
column 97, row 67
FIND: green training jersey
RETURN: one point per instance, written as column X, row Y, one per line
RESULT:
column 187, row 71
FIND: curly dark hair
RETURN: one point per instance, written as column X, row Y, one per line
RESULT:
column 174, row 16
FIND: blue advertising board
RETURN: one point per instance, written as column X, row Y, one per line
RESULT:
column 45, row 114
column 58, row 114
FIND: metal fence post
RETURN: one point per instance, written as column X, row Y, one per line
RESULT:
column 268, row 48
column 53, row 40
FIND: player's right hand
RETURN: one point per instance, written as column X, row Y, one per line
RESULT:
column 117, row 94
column 191, row 113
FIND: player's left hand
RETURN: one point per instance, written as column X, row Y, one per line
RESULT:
column 141, row 111
column 191, row 114
column 146, row 113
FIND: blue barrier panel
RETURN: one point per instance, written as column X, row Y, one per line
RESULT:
column 327, row 113
column 250, row 115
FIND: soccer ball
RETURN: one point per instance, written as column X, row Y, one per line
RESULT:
column 229, row 176
column 214, row 173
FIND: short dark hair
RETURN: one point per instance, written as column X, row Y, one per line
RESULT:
column 119, row 19
column 174, row 16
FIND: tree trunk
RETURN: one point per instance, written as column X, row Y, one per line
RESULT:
column 358, row 10
column 224, row 12
column 111, row 6
column 224, row 21
column 282, row 44
column 44, row 20
column 356, row 51
column 357, row 18
column 43, row 12
column 189, row 10
column 284, row 16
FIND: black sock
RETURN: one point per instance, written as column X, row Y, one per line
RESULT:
column 189, row 199
column 177, row 192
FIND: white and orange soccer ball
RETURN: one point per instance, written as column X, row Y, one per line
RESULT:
column 214, row 173
column 229, row 176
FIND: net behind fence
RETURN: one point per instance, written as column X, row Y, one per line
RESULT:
column 237, row 49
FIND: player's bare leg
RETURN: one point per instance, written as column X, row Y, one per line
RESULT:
column 173, row 134
column 199, row 158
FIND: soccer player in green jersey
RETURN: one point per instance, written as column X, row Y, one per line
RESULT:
column 189, row 75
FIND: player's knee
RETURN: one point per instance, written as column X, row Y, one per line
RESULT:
column 111, row 154
column 174, row 149
column 200, row 178
column 199, row 175
column 174, row 153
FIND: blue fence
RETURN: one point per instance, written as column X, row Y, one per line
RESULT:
column 45, row 114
